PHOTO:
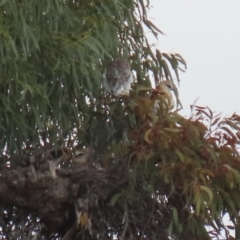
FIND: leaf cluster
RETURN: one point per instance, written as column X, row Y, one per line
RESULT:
column 195, row 164
column 52, row 59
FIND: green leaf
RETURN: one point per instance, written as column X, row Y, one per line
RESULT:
column 180, row 155
column 198, row 205
column 114, row 198
column 174, row 130
column 208, row 191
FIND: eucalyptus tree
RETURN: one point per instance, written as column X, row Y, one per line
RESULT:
column 80, row 163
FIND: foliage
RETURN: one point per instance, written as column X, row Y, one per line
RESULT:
column 52, row 57
column 180, row 175
column 198, row 163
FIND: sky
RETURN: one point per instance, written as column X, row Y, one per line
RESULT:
column 207, row 34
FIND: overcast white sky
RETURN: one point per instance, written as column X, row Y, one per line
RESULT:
column 207, row 34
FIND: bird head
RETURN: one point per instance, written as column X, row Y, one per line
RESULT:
column 82, row 155
column 166, row 85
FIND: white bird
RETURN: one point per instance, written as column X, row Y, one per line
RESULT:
column 118, row 77
column 164, row 89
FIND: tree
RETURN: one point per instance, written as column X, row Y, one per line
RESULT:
column 79, row 163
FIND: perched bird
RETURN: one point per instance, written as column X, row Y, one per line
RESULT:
column 118, row 77
column 164, row 90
